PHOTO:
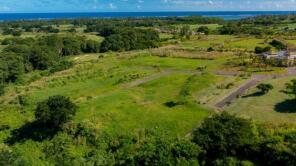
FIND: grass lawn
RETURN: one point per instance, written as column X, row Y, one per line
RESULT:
column 274, row 107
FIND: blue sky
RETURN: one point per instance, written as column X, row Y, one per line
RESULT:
column 142, row 5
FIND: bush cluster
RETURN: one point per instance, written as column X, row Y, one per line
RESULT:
column 128, row 39
column 24, row 55
column 221, row 140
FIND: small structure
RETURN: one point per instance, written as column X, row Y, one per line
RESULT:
column 282, row 58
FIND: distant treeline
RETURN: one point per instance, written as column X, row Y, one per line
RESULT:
column 126, row 22
column 261, row 25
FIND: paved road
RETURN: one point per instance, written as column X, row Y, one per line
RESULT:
column 227, row 100
column 255, row 80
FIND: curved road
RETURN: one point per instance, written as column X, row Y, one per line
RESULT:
column 255, row 80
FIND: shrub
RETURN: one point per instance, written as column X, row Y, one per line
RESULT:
column 55, row 111
column 278, row 44
column 210, row 49
column 291, row 88
column 259, row 50
column 264, row 88
column 60, row 66
column 204, row 29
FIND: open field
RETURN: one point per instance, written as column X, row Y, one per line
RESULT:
column 274, row 107
column 99, row 87
column 106, row 90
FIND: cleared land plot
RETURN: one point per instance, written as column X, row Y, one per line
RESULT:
column 99, row 87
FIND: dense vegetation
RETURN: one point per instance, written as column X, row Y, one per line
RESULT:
column 128, row 39
column 221, row 140
column 48, row 52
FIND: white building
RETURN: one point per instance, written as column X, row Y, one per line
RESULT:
column 287, row 58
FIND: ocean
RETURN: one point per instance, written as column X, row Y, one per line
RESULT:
column 227, row 15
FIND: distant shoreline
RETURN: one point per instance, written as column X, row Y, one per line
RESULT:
column 227, row 15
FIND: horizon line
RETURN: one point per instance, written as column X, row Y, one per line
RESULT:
column 211, row 11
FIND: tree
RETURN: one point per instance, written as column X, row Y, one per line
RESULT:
column 203, row 29
column 11, row 67
column 264, row 88
column 259, row 50
column 224, row 135
column 185, row 31
column 210, row 49
column 55, row 111
column 91, row 46
column 43, row 57
column 278, row 44
column 291, row 88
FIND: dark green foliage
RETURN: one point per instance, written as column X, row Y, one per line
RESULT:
column 11, row 67
column 264, row 88
column 25, row 55
column 231, row 161
column 91, row 46
column 291, row 88
column 107, row 31
column 237, row 28
column 49, row 29
column 42, row 58
column 55, row 111
column 224, row 135
column 221, row 140
column 71, row 46
column 203, row 29
column 210, row 49
column 63, row 144
column 275, row 150
column 17, row 40
column 9, row 157
column 130, row 39
column 278, row 45
column 2, row 89
column 12, row 31
column 259, row 50
column 60, row 66
column 16, row 33
column 72, row 30
column 23, row 100
column 185, row 31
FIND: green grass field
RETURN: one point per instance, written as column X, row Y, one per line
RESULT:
column 100, row 88
column 274, row 107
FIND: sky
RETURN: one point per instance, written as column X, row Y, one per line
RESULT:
column 31, row 6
